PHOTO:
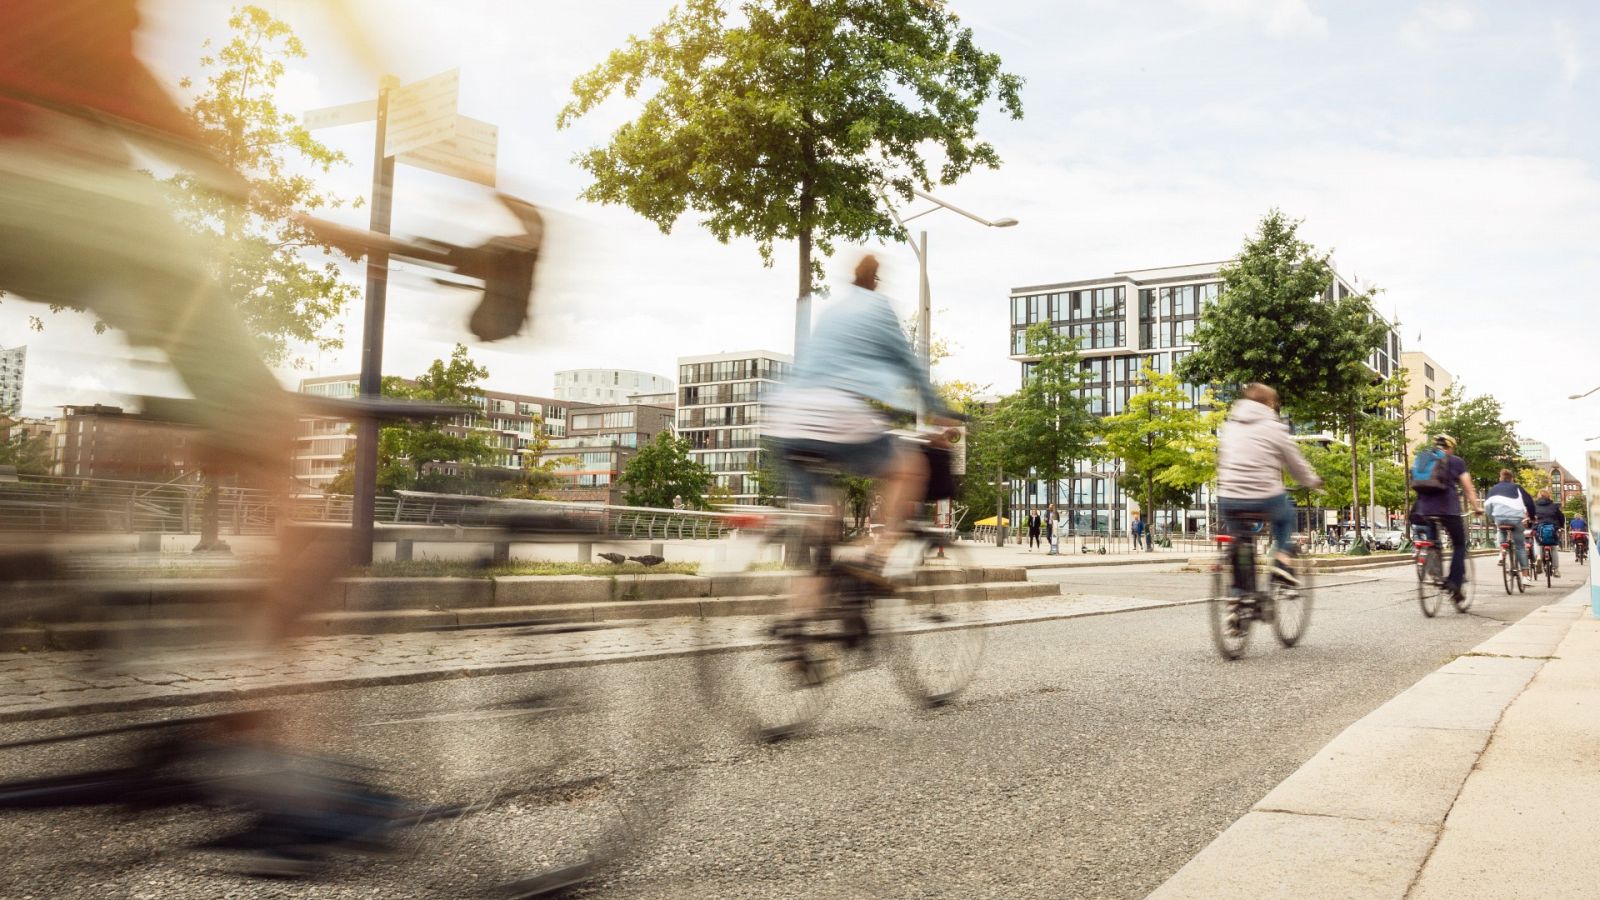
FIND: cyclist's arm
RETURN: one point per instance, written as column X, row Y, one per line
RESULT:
column 1295, row 461
column 893, row 344
column 1469, row 491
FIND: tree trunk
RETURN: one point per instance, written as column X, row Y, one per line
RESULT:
column 1355, row 481
column 802, row 303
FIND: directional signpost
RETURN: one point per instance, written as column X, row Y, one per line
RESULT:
column 417, row 124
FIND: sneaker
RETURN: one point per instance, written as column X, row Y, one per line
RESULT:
column 1283, row 573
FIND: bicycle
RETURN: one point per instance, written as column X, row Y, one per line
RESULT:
column 903, row 616
column 1580, row 547
column 1237, row 600
column 1547, row 562
column 1430, row 567
column 1510, row 572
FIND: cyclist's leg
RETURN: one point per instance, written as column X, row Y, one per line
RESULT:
column 1518, row 544
column 1282, row 511
column 902, row 483
column 1456, row 527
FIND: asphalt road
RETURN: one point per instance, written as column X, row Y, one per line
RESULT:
column 1091, row 758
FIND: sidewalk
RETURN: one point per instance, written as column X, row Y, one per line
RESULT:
column 1479, row 781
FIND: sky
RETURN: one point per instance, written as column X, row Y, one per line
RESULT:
column 1446, row 151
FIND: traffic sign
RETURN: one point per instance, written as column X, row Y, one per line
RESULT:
column 472, row 154
column 422, row 113
column 343, row 114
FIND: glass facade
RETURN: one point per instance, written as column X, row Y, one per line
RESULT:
column 719, row 413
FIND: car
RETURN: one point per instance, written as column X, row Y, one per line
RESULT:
column 1386, row 539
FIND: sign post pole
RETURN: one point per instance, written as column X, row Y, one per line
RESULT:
column 364, row 506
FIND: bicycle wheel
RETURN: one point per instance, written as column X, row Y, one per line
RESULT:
column 934, row 633
column 765, row 675
column 1469, row 585
column 1291, row 607
column 1230, row 631
column 1505, row 573
column 1549, row 566
column 1430, row 590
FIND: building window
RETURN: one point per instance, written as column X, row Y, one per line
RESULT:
column 1427, row 371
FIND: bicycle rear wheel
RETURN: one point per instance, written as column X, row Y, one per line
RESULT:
column 1430, row 592
column 1505, row 573
column 1549, row 566
column 1291, row 607
column 933, row 630
column 1230, row 630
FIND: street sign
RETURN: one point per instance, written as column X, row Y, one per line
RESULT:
column 471, row 154
column 343, row 114
column 422, row 113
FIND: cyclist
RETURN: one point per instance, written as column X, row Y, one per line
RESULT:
column 857, row 362
column 1548, row 520
column 1508, row 505
column 1253, row 450
column 1439, row 500
column 1579, row 529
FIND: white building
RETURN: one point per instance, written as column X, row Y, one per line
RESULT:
column 720, row 402
column 1533, row 450
column 12, row 363
column 608, row 387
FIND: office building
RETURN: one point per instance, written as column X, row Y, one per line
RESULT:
column 1426, row 382
column 1125, row 322
column 508, row 421
column 1533, row 450
column 13, row 361
column 608, row 386
column 720, row 400
column 599, row 442
column 103, row 442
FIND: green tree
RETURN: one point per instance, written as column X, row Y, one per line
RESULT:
column 30, row 455
column 1276, row 321
column 859, row 496
column 1332, row 463
column 1485, row 439
column 1046, row 427
column 1164, row 443
column 258, row 259
column 1575, row 505
column 983, row 488
column 663, row 471
column 1533, row 480
column 784, row 120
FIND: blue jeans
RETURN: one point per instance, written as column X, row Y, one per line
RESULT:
column 1279, row 510
column 1518, row 543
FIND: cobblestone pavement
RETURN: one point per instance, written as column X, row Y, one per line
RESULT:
column 50, row 684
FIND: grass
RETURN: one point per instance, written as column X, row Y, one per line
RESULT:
column 436, row 568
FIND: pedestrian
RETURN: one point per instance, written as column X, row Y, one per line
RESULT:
column 1138, row 530
column 1059, row 522
column 1035, row 528
column 1051, row 535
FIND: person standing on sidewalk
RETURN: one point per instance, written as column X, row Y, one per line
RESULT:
column 1058, row 520
column 1444, row 503
column 1137, row 528
column 1035, row 528
column 1052, row 536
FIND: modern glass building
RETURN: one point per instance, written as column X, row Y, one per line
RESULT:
column 720, row 400
column 608, row 385
column 1124, row 322
column 13, row 363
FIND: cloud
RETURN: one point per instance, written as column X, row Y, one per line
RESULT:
column 1280, row 18
column 1566, row 47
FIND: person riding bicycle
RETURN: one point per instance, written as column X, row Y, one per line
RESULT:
column 1253, row 450
column 1509, row 506
column 1436, row 475
column 1548, row 520
column 856, row 363
column 1578, row 528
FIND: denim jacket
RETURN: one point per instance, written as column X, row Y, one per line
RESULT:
column 858, row 347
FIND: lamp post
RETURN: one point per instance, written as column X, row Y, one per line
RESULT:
column 1584, row 394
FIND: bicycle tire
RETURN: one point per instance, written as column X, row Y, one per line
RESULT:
column 1291, row 607
column 1549, row 576
column 1430, row 593
column 1229, row 633
column 1505, row 573
column 935, row 639
column 1469, row 585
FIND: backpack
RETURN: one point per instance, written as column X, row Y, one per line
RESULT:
column 1428, row 472
column 1547, row 533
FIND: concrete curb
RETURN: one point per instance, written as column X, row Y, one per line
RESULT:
column 1362, row 816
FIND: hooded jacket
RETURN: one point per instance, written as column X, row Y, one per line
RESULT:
column 1253, row 450
column 1547, row 510
column 1508, row 500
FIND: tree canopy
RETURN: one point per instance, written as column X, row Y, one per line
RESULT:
column 781, row 120
column 663, row 472
column 1165, row 444
column 1046, row 427
column 1485, row 440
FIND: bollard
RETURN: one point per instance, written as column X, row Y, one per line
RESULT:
column 659, row 550
column 402, row 551
column 585, row 552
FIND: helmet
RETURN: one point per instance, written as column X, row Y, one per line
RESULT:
column 1445, row 441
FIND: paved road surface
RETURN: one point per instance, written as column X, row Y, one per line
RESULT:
column 1093, row 757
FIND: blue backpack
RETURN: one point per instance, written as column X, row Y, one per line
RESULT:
column 1428, row 472
column 1547, row 533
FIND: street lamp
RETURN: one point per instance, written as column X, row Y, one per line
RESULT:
column 1584, row 394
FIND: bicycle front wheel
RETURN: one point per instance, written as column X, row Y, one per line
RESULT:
column 934, row 632
column 1230, row 629
column 1291, row 607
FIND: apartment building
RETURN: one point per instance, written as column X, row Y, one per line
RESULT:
column 599, row 442
column 13, row 362
column 1426, row 382
column 1531, row 449
column 720, row 401
column 1124, row 322
column 104, row 442
column 608, row 385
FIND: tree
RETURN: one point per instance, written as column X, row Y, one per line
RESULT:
column 860, row 494
column 1485, row 440
column 258, row 247
column 788, row 119
column 1047, row 427
column 663, row 471
column 1276, row 322
column 983, row 491
column 1332, row 463
column 29, row 454
column 1166, row 445
column 1575, row 505
column 1533, row 480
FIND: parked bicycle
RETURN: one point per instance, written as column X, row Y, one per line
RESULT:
column 1238, row 599
column 1432, row 564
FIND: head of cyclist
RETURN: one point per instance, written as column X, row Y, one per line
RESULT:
column 1254, row 449
column 1546, row 510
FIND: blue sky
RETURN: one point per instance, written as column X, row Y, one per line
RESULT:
column 1444, row 150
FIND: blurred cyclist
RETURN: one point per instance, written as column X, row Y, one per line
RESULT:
column 1579, row 529
column 1548, row 520
column 856, row 364
column 1253, row 450
column 1437, row 499
column 1509, row 506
